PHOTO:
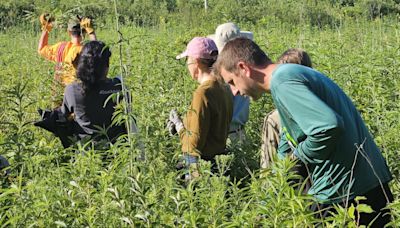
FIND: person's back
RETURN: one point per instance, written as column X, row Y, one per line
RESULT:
column 218, row 103
column 321, row 127
column 88, row 100
column 64, row 53
column 204, row 130
column 93, row 109
column 272, row 127
column 330, row 111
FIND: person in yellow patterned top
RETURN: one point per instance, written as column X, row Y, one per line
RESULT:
column 64, row 53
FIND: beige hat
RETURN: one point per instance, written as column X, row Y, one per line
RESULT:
column 74, row 25
column 226, row 32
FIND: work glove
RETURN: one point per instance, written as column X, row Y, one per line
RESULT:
column 86, row 24
column 46, row 22
column 176, row 120
column 171, row 128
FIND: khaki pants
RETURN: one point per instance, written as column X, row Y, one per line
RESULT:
column 270, row 138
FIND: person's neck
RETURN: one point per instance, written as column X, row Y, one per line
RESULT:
column 76, row 40
column 203, row 77
column 267, row 74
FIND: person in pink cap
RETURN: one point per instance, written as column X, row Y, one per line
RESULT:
column 204, row 130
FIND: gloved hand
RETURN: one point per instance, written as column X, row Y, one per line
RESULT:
column 176, row 120
column 46, row 22
column 86, row 24
column 171, row 128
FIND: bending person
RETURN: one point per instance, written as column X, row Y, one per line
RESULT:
column 272, row 126
column 204, row 130
column 321, row 127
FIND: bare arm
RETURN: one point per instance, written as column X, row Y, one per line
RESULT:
column 43, row 41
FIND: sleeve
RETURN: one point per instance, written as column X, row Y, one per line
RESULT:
column 197, row 125
column 50, row 52
column 66, row 107
column 321, row 125
column 283, row 146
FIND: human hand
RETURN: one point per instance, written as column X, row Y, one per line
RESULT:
column 46, row 22
column 176, row 120
column 86, row 24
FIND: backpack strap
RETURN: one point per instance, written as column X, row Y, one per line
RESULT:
column 59, row 60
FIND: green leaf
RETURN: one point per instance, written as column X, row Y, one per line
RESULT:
column 364, row 208
column 351, row 211
column 60, row 223
column 359, row 198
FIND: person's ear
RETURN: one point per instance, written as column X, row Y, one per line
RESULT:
column 243, row 68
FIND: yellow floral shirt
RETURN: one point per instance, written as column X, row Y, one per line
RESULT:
column 67, row 74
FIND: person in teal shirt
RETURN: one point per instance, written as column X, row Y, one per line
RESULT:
column 321, row 127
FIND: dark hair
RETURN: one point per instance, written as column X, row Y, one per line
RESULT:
column 208, row 62
column 76, row 33
column 296, row 56
column 92, row 63
column 241, row 49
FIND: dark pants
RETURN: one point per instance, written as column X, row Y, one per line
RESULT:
column 376, row 198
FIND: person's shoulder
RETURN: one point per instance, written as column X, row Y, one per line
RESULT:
column 200, row 90
column 110, row 85
column 74, row 48
column 74, row 86
column 288, row 68
column 208, row 86
column 52, row 47
column 289, row 72
column 59, row 43
column 117, row 79
column 115, row 82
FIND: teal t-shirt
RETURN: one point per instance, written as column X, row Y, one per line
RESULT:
column 328, row 134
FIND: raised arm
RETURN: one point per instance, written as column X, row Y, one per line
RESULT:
column 46, row 25
column 43, row 41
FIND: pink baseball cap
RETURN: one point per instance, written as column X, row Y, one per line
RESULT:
column 200, row 47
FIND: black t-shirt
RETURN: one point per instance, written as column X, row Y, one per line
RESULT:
column 92, row 109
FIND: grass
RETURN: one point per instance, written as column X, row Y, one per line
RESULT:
column 50, row 186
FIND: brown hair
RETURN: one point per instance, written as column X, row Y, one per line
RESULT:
column 241, row 49
column 296, row 56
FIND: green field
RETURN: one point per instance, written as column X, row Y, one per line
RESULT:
column 49, row 186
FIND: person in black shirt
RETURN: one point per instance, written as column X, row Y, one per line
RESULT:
column 86, row 101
